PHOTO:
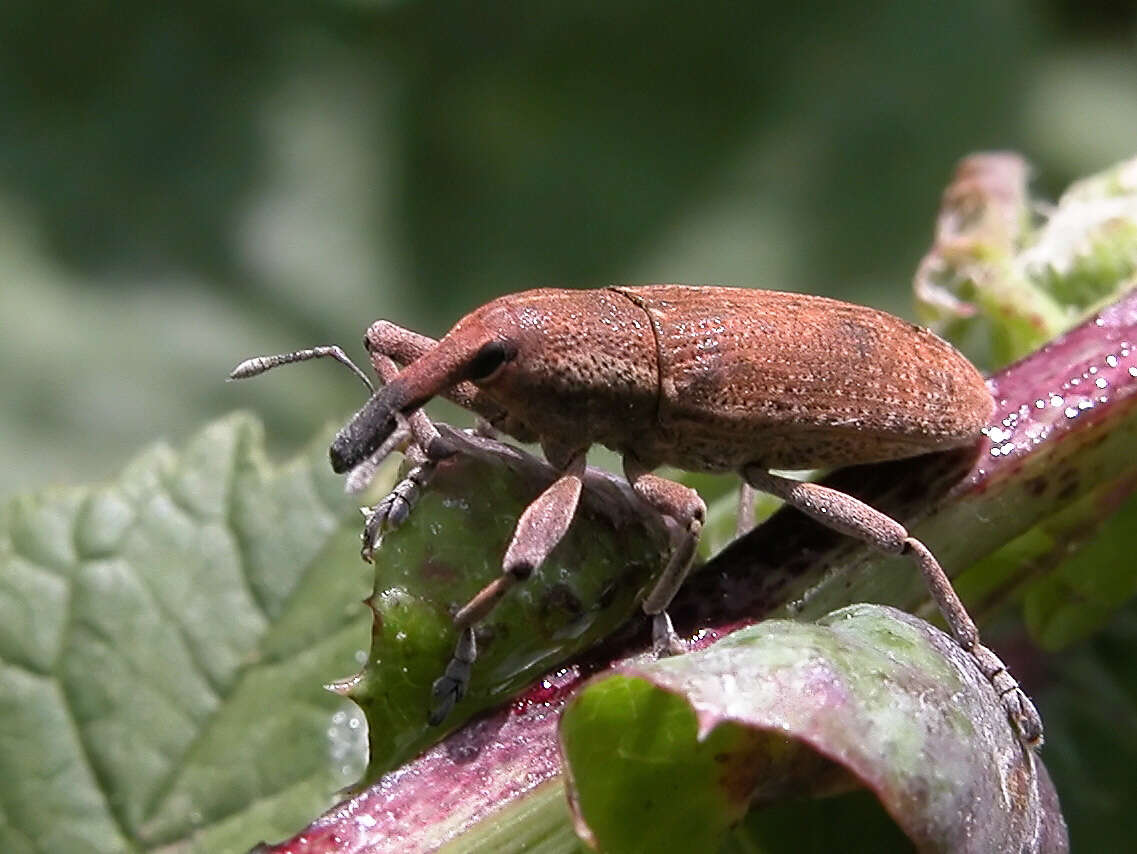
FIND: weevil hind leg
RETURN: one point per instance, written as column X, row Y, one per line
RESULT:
column 853, row 517
column 1021, row 711
column 542, row 525
column 684, row 506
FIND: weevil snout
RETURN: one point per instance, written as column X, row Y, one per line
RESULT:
column 368, row 429
column 469, row 353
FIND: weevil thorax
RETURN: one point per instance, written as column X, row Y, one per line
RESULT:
column 581, row 366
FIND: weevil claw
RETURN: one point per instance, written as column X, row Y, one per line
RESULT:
column 1023, row 715
column 1025, row 718
column 394, row 509
column 449, row 688
column 664, row 640
column 444, row 694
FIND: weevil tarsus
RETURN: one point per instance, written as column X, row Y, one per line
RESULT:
column 449, row 688
column 395, row 507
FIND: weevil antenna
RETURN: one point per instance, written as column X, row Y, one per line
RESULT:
column 260, row 364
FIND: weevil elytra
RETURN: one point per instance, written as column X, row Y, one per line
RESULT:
column 702, row 378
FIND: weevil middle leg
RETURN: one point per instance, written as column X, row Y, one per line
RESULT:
column 851, row 516
column 542, row 525
column 683, row 505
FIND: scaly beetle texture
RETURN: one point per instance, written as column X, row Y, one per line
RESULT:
column 702, row 378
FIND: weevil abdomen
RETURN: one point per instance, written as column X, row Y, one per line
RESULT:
column 794, row 381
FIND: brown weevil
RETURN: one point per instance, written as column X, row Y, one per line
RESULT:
column 709, row 379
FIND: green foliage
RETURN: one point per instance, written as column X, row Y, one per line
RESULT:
column 1002, row 279
column 184, row 184
column 163, row 643
column 670, row 755
column 452, row 547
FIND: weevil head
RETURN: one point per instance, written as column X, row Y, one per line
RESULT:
column 476, row 349
column 574, row 366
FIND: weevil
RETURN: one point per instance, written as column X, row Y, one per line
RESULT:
column 709, row 379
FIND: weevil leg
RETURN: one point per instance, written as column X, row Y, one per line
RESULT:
column 538, row 531
column 483, row 428
column 389, row 347
column 682, row 504
column 394, row 508
column 428, row 448
column 744, row 521
column 853, row 517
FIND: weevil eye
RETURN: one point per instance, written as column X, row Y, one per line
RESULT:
column 488, row 360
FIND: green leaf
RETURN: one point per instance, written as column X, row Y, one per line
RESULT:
column 425, row 570
column 669, row 755
column 163, row 643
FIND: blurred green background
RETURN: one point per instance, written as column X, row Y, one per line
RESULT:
column 186, row 184
column 183, row 185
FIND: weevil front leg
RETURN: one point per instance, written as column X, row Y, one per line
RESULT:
column 427, row 450
column 391, row 347
column 538, row 531
column 683, row 505
column 394, row 508
column 853, row 517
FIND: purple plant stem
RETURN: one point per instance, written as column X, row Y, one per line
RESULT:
column 1067, row 396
